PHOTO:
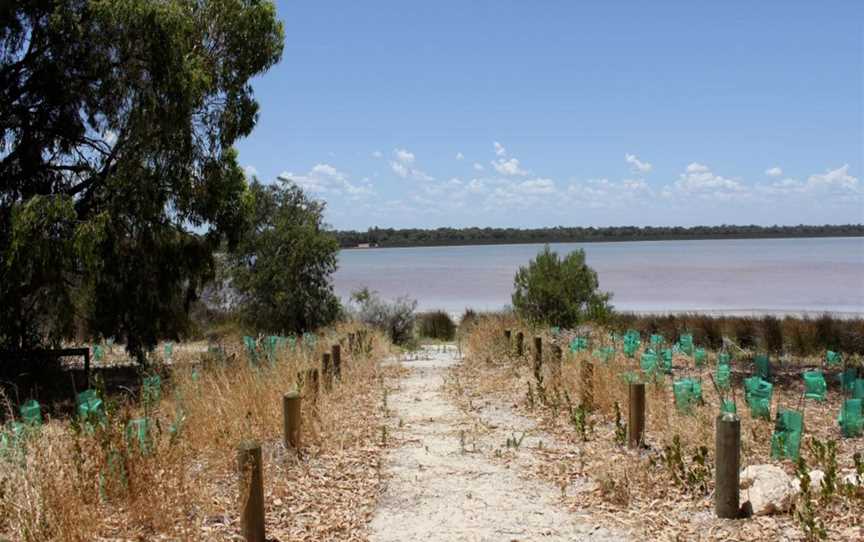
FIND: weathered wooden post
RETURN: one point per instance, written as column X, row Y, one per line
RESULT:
column 337, row 361
column 311, row 384
column 636, row 418
column 251, row 491
column 587, row 387
column 326, row 370
column 507, row 334
column 350, row 343
column 520, row 344
column 558, row 365
column 727, row 464
column 538, row 355
column 291, row 419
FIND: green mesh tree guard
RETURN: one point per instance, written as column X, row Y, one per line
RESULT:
column 687, row 392
column 699, row 357
column 648, row 361
column 725, row 358
column 851, row 418
column 666, row 356
column 13, row 441
column 579, row 344
column 151, row 390
column 309, row 339
column 685, row 343
column 251, row 349
column 723, row 377
column 604, row 353
column 631, row 377
column 168, row 350
column 31, row 413
column 858, row 389
column 814, row 385
column 90, row 409
column 847, row 379
column 727, row 406
column 763, row 366
column 631, row 343
column 98, row 352
column 271, row 346
column 138, row 433
column 555, row 331
column 833, row 358
column 758, row 395
column 656, row 341
column 786, row 440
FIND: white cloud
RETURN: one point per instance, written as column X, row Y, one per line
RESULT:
column 774, row 171
column 460, row 156
column 537, row 186
column 834, row 179
column 404, row 156
column 636, row 165
column 699, row 180
column 499, row 149
column 400, row 169
column 377, row 154
column 508, row 167
column 478, row 167
column 326, row 180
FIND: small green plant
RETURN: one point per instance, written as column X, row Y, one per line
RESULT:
column 693, row 478
column 579, row 420
column 813, row 527
column 513, row 442
column 825, row 455
column 530, row 396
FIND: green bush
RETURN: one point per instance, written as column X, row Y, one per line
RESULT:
column 559, row 292
column 772, row 334
column 396, row 319
column 436, row 325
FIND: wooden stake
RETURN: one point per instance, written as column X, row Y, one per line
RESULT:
column 337, row 361
column 507, row 333
column 728, row 462
column 326, row 370
column 558, row 366
column 520, row 344
column 291, row 419
column 538, row 355
column 636, row 417
column 351, row 343
column 251, row 491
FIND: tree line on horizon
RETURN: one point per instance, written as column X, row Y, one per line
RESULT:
column 390, row 237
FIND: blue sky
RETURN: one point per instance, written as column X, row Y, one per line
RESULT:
column 526, row 114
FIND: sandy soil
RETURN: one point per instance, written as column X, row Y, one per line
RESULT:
column 446, row 479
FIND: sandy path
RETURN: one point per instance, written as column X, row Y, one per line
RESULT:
column 444, row 485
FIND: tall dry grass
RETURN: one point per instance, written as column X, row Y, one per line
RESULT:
column 75, row 484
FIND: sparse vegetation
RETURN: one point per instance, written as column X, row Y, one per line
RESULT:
column 436, row 325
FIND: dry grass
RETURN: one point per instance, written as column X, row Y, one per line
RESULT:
column 644, row 493
column 186, row 486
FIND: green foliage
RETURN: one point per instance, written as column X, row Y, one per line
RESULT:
column 805, row 513
column 118, row 179
column 694, row 475
column 559, row 292
column 436, row 325
column 282, row 265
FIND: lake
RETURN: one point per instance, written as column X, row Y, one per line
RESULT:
column 738, row 276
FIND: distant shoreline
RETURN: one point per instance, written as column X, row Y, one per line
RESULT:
column 444, row 237
column 493, row 242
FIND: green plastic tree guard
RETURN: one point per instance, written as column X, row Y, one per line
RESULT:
column 699, row 357
column 687, row 392
column 309, row 339
column 31, row 413
column 604, row 353
column 758, row 395
column 833, row 358
column 657, row 341
column 98, row 352
column 814, row 385
column 666, row 355
column 723, row 377
column 648, row 361
column 847, row 379
column 168, row 350
column 763, row 366
column 90, row 409
column 725, row 358
column 727, row 406
column 579, row 344
column 251, row 349
column 151, row 390
column 851, row 418
column 138, row 431
column 786, row 440
column 685, row 343
column 858, row 389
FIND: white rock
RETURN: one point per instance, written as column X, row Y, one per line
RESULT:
column 768, row 489
column 816, row 477
column 852, row 478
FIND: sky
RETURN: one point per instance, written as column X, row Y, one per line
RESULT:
column 531, row 114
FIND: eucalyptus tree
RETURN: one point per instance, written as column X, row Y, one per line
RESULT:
column 118, row 176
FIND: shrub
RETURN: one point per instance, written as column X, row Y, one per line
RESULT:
column 437, row 325
column 772, row 334
column 559, row 292
column 396, row 319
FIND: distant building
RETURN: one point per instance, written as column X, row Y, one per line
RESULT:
column 364, row 245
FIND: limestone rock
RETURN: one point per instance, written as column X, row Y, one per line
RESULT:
column 768, row 489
